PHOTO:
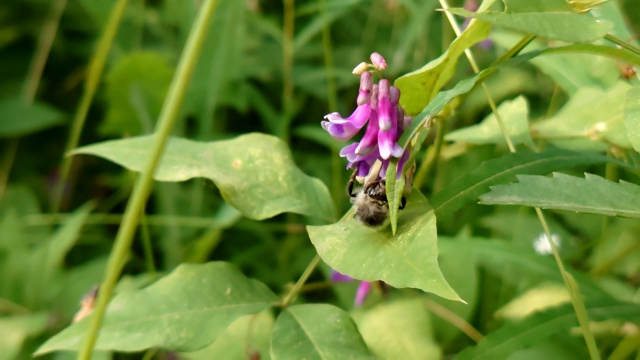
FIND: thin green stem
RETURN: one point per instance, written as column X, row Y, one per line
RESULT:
column 623, row 44
column 45, row 40
column 287, row 68
column 94, row 74
column 432, row 156
column 8, row 157
column 291, row 295
column 574, row 292
column 144, row 182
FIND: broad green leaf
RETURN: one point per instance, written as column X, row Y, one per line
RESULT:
column 395, row 190
column 136, row 88
column 514, row 115
column 593, row 194
column 255, row 172
column 16, row 329
column 551, row 23
column 419, row 87
column 244, row 339
column 469, row 187
column 316, row 331
column 20, row 119
column 184, row 311
column 539, row 298
column 408, row 259
column 399, row 329
column 532, row 330
column 591, row 116
column 632, row 116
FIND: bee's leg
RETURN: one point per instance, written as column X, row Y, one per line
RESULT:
column 403, row 202
column 350, row 184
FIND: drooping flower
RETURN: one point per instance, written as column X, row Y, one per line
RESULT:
column 377, row 105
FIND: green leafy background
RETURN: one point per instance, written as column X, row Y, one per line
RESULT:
column 234, row 255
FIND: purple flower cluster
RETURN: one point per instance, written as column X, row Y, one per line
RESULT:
column 378, row 108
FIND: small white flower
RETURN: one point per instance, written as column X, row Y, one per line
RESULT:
column 541, row 244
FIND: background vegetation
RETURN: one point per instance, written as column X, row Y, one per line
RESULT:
column 242, row 87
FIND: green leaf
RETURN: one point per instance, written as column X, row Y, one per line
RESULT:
column 632, row 116
column 395, row 190
column 514, row 116
column 19, row 119
column 255, row 172
column 469, row 187
column 549, row 22
column 136, row 88
column 410, row 259
column 183, row 311
column 316, row 331
column 398, row 329
column 591, row 116
column 593, row 194
column 419, row 87
column 517, row 336
column 248, row 335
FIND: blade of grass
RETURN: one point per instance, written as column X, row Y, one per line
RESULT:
column 144, row 182
column 96, row 67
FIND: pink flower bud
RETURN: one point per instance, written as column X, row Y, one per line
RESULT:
column 378, row 61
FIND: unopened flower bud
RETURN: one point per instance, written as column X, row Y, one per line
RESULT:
column 366, row 84
column 394, row 95
column 361, row 68
column 378, row 61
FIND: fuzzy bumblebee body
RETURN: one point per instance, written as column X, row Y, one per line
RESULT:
column 370, row 202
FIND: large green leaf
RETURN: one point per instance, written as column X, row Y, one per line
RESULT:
column 410, row 259
column 591, row 116
column 593, row 194
column 185, row 311
column 552, row 19
column 255, row 172
column 19, row 119
column 514, row 115
column 244, row 339
column 398, row 329
column 422, row 85
column 632, row 116
column 317, row 331
column 516, row 336
column 469, row 187
column 136, row 88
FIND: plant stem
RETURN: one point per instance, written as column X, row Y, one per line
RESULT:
column 96, row 67
column 291, row 295
column 623, row 44
column 144, row 182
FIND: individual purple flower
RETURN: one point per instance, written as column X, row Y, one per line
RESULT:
column 344, row 129
column 369, row 140
column 363, row 289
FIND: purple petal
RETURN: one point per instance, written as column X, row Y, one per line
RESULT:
column 370, row 139
column 385, row 108
column 366, row 85
column 341, row 132
column 362, row 292
column 338, row 277
column 349, row 152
